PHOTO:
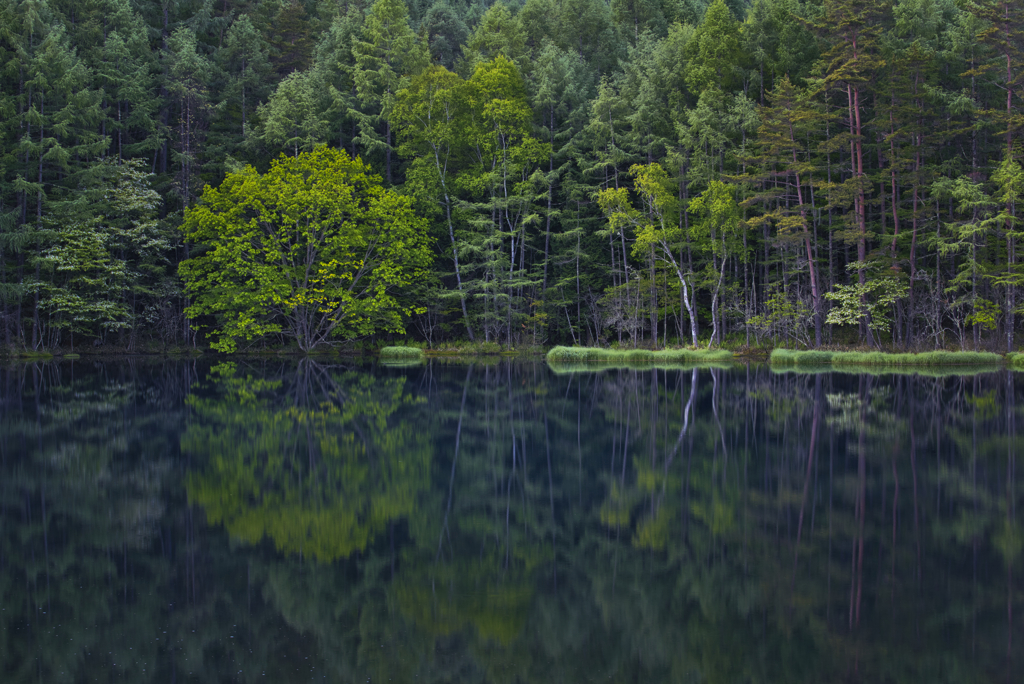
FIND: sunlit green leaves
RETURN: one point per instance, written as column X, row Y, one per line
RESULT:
column 313, row 249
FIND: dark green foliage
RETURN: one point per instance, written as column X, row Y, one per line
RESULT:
column 872, row 149
column 446, row 33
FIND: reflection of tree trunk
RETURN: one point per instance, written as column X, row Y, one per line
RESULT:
column 551, row 501
column 1011, row 514
column 811, row 448
column 689, row 457
column 857, row 559
column 714, row 411
column 913, row 474
column 455, row 460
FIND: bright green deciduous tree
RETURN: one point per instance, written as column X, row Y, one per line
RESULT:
column 312, row 250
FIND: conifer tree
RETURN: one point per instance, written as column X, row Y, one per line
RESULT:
column 386, row 56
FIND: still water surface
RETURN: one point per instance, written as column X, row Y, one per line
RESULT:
column 287, row 521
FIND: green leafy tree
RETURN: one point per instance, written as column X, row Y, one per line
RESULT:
column 313, row 249
column 657, row 231
column 871, row 302
column 717, row 231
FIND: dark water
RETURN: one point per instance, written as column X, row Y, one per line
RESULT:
column 293, row 522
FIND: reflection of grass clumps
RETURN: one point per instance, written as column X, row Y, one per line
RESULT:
column 401, row 354
column 593, row 356
column 924, row 371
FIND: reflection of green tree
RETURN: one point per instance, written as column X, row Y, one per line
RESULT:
column 469, row 592
column 321, row 466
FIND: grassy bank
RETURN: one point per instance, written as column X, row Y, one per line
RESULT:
column 594, row 356
column 401, row 354
column 1015, row 360
column 790, row 357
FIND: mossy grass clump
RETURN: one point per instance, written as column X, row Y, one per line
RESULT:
column 932, row 358
column 793, row 357
column 567, row 357
column 644, row 357
column 1015, row 360
column 470, row 349
column 401, row 354
column 568, row 368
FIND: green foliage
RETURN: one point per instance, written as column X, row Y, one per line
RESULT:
column 714, row 51
column 314, row 249
column 872, row 301
column 849, row 134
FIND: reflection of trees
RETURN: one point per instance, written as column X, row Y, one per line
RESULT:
column 86, row 459
column 318, row 461
column 624, row 525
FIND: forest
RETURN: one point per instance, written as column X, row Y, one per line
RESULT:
column 593, row 172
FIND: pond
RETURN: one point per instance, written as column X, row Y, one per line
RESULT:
column 297, row 521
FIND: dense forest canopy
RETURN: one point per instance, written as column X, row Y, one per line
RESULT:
column 636, row 171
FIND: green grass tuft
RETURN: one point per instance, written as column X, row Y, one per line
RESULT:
column 932, row 358
column 792, row 357
column 401, row 354
column 578, row 357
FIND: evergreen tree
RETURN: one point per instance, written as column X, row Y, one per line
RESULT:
column 446, row 33
column 386, row 56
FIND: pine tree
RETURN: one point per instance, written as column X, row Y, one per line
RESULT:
column 296, row 117
column 446, row 33
column 714, row 52
column 188, row 83
column 505, row 183
column 386, row 56
column 246, row 60
column 785, row 171
column 850, row 64
column 499, row 33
